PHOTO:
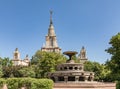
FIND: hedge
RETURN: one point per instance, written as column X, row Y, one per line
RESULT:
column 2, row 82
column 118, row 85
column 28, row 83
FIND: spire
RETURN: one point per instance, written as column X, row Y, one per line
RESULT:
column 27, row 55
column 16, row 49
column 51, row 31
column 51, row 17
column 83, row 47
column 51, row 44
column 26, row 58
column 16, row 55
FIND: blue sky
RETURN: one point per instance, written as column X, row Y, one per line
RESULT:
column 89, row 23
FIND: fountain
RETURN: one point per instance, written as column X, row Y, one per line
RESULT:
column 71, row 71
column 70, row 54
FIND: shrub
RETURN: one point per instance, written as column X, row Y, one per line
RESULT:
column 42, row 84
column 12, row 83
column 2, row 82
column 118, row 85
column 26, row 82
column 29, row 83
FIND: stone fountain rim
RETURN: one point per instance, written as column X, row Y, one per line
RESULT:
column 71, row 52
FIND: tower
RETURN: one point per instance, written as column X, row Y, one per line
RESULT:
column 82, row 56
column 51, row 39
column 16, row 57
column 27, row 60
column 17, row 60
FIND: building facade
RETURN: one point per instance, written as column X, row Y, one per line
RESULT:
column 17, row 61
column 51, row 44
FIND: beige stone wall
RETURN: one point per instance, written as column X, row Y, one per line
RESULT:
column 83, row 85
column 88, row 88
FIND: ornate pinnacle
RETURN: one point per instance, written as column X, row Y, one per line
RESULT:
column 51, row 17
column 16, row 49
column 27, row 55
column 83, row 47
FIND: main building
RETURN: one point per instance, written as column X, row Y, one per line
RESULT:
column 51, row 44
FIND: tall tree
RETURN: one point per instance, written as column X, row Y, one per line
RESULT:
column 46, row 62
column 1, row 72
column 6, row 62
column 99, row 70
column 11, row 71
column 114, row 63
column 27, row 72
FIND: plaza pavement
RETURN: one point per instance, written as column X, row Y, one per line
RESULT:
column 86, row 88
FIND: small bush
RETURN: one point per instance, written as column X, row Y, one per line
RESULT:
column 26, row 82
column 42, row 84
column 12, row 83
column 2, row 82
column 118, row 85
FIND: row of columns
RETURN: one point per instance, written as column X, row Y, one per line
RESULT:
column 86, row 78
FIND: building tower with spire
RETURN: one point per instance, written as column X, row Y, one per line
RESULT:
column 17, row 61
column 51, row 44
column 82, row 56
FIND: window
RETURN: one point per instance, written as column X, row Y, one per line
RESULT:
column 65, row 68
column 70, row 68
column 76, row 68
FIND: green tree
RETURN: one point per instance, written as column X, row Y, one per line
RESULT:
column 11, row 71
column 6, row 65
column 6, row 62
column 46, row 62
column 114, row 63
column 27, row 72
column 88, row 66
column 1, row 73
column 19, row 71
column 99, row 70
column 75, row 59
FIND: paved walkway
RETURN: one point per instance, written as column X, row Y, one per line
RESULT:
column 83, row 85
column 77, row 88
column 85, row 88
